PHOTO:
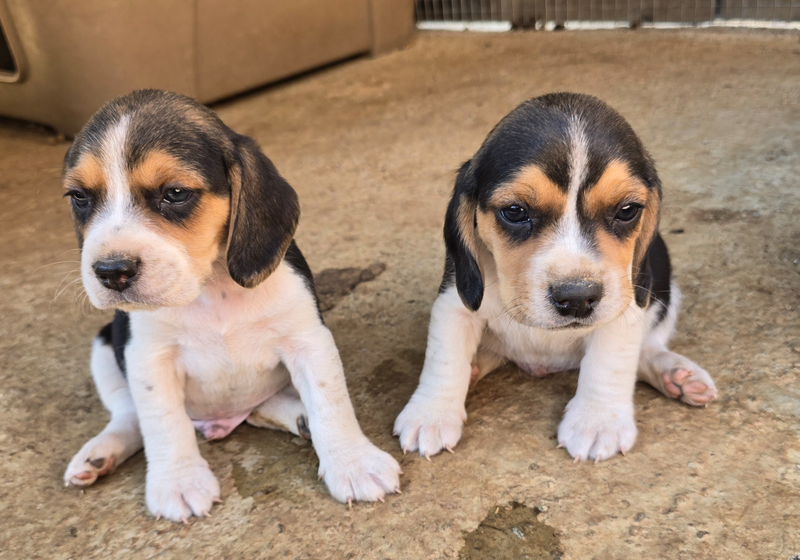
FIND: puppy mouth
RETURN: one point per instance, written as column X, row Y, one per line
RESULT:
column 589, row 323
column 134, row 306
column 129, row 299
column 141, row 298
column 125, row 301
column 571, row 326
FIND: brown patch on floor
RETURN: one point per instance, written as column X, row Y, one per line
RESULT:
column 251, row 486
column 512, row 532
column 335, row 283
column 393, row 373
column 268, row 465
column 724, row 215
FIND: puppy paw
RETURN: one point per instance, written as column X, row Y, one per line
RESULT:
column 429, row 427
column 360, row 472
column 691, row 384
column 98, row 457
column 302, row 427
column 177, row 493
column 593, row 430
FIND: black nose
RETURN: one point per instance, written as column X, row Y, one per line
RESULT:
column 576, row 298
column 116, row 274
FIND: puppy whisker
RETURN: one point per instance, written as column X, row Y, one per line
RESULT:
column 58, row 290
column 54, row 264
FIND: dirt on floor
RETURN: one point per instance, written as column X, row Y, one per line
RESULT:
column 371, row 146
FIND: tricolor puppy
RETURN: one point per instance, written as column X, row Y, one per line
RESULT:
column 554, row 262
column 186, row 229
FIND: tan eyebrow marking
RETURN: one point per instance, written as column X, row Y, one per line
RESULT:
column 532, row 187
column 158, row 168
column 87, row 173
column 615, row 185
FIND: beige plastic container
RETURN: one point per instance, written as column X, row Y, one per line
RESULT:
column 71, row 56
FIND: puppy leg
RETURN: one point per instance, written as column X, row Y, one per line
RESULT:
column 179, row 482
column 673, row 375
column 121, row 437
column 434, row 417
column 352, row 467
column 598, row 421
column 283, row 411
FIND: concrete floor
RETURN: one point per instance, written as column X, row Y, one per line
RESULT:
column 371, row 146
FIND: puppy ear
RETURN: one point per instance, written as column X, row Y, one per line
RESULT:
column 264, row 214
column 70, row 160
column 647, row 235
column 460, row 239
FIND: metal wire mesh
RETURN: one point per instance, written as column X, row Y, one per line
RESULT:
column 528, row 13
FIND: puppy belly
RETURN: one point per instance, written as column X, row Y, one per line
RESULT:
column 538, row 370
column 222, row 419
column 217, row 406
column 219, row 428
column 541, row 364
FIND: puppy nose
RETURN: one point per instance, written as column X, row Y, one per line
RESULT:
column 116, row 274
column 576, row 298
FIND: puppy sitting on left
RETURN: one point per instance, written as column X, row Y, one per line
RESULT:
column 185, row 228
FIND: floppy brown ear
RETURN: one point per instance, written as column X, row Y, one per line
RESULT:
column 460, row 239
column 264, row 214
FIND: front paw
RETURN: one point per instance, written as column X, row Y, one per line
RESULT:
column 359, row 472
column 430, row 426
column 596, row 430
column 179, row 492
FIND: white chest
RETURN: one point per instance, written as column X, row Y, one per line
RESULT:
column 229, row 366
column 538, row 349
column 529, row 347
column 226, row 347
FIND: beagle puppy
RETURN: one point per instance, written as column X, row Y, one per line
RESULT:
column 554, row 262
column 185, row 229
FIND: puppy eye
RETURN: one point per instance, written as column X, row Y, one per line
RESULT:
column 514, row 214
column 177, row 195
column 79, row 199
column 628, row 212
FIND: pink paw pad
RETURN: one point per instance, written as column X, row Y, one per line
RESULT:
column 678, row 384
column 94, row 468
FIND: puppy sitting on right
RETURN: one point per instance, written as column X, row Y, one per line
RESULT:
column 554, row 262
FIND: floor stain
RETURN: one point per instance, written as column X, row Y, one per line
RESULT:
column 391, row 374
column 512, row 531
column 725, row 215
column 251, row 486
column 414, row 356
column 335, row 283
column 287, row 468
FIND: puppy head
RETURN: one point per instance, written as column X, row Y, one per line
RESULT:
column 566, row 200
column 159, row 187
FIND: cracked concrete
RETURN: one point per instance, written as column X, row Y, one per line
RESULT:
column 371, row 147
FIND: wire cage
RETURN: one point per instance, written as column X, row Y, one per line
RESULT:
column 613, row 13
